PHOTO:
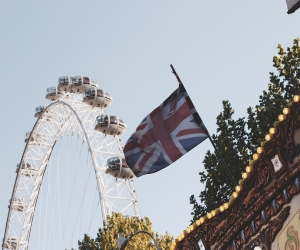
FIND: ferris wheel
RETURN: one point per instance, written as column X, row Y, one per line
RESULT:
column 77, row 111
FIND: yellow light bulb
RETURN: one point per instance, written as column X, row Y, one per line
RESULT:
column 209, row 215
column 244, row 175
column 202, row 220
column 296, row 98
column 226, row 205
column 286, row 111
column 272, row 131
column 259, row 150
column 255, row 157
column 234, row 194
column 268, row 137
column 213, row 213
column 238, row 188
column 249, row 169
column 281, row 117
column 221, row 208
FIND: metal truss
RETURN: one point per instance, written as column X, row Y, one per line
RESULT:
column 69, row 115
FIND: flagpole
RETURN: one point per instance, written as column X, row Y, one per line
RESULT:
column 223, row 162
column 174, row 72
column 209, row 137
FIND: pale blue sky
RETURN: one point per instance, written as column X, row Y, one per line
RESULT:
column 220, row 49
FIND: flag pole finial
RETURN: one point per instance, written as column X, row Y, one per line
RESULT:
column 175, row 73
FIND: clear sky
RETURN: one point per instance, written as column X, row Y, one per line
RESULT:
column 220, row 49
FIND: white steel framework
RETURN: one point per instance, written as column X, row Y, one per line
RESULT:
column 68, row 115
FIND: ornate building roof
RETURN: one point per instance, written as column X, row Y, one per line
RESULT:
column 261, row 204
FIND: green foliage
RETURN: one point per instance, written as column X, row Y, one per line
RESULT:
column 108, row 235
column 238, row 139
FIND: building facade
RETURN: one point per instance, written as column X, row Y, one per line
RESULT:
column 264, row 211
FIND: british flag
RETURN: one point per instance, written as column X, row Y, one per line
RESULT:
column 166, row 134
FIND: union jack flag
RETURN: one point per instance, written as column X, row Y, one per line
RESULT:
column 166, row 134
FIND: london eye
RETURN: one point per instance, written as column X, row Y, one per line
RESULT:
column 72, row 138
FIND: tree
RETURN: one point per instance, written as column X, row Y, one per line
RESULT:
column 108, row 235
column 238, row 139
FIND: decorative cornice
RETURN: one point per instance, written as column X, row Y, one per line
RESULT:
column 267, row 235
column 253, row 203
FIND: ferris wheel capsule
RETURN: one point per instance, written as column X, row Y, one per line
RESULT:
column 118, row 170
column 39, row 110
column 110, row 124
column 97, row 97
column 80, row 83
column 27, row 135
column 64, row 83
column 53, row 93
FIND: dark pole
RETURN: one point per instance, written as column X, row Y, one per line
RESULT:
column 217, row 151
column 174, row 72
column 223, row 162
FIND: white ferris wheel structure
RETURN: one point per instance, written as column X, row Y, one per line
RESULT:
column 77, row 109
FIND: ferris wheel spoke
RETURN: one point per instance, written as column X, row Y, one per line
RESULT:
column 55, row 194
column 44, row 238
column 72, row 192
column 92, row 212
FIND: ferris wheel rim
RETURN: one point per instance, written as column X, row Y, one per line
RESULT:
column 28, row 144
column 55, row 139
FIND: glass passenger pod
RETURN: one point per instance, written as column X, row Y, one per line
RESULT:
column 53, row 94
column 113, row 126
column 19, row 204
column 102, row 99
column 26, row 169
column 122, row 126
column 27, row 135
column 80, row 83
column 117, row 167
column 96, row 97
column 110, row 124
column 89, row 96
column 11, row 242
column 64, row 83
column 39, row 110
column 107, row 99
